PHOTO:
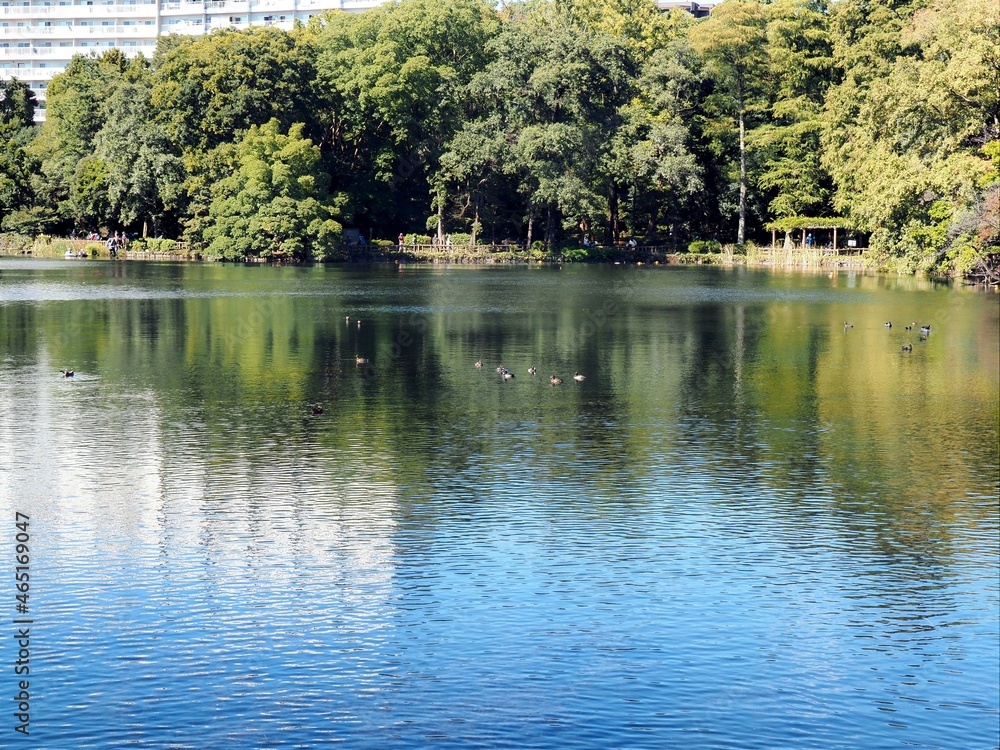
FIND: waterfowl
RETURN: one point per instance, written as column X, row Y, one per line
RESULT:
column 888, row 324
column 553, row 380
column 67, row 373
column 925, row 329
column 347, row 319
column 501, row 369
column 532, row 370
column 361, row 360
column 578, row 377
column 848, row 325
column 508, row 375
column 479, row 364
column 909, row 328
column 317, row 408
column 907, row 347
column 359, row 324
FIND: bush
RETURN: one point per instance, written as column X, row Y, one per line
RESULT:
column 704, row 246
column 10, row 242
column 418, row 239
column 93, row 249
column 575, row 254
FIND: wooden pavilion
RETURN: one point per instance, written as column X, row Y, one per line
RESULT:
column 811, row 233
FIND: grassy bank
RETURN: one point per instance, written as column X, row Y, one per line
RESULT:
column 728, row 255
column 57, row 247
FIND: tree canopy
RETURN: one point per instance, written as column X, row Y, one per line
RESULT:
column 542, row 121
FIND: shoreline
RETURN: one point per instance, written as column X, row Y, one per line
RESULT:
column 755, row 257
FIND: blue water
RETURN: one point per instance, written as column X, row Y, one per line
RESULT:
column 750, row 527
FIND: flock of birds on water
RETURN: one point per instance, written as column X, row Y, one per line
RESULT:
column 506, row 374
column 553, row 379
column 925, row 331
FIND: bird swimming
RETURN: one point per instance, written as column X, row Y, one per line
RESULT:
column 553, row 380
column 68, row 373
column 317, row 408
column 508, row 375
column 888, row 324
column 848, row 325
column 532, row 370
column 907, row 347
column 361, row 360
column 578, row 377
column 479, row 364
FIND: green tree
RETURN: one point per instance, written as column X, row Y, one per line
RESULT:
column 651, row 160
column 547, row 102
column 391, row 82
column 799, row 72
column 142, row 175
column 908, row 124
column 209, row 90
column 76, row 112
column 275, row 202
column 733, row 41
column 17, row 111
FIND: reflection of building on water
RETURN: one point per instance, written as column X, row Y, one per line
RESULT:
column 122, row 478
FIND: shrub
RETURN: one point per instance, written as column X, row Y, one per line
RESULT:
column 575, row 254
column 704, row 246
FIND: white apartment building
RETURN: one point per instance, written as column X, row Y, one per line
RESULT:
column 39, row 37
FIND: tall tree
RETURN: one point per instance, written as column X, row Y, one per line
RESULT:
column 276, row 202
column 143, row 174
column 209, row 90
column 799, row 73
column 733, row 42
column 391, row 82
column 17, row 111
column 908, row 124
column 551, row 95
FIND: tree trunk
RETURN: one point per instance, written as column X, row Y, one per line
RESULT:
column 612, row 215
column 741, row 231
column 550, row 226
column 440, row 230
column 475, row 223
column 531, row 223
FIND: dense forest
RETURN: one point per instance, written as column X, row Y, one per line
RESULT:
column 540, row 122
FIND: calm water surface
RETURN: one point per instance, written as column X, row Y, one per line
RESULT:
column 749, row 527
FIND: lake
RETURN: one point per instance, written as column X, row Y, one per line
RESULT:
column 750, row 526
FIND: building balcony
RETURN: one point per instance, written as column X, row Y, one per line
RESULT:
column 94, row 10
column 102, row 32
column 29, row 74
